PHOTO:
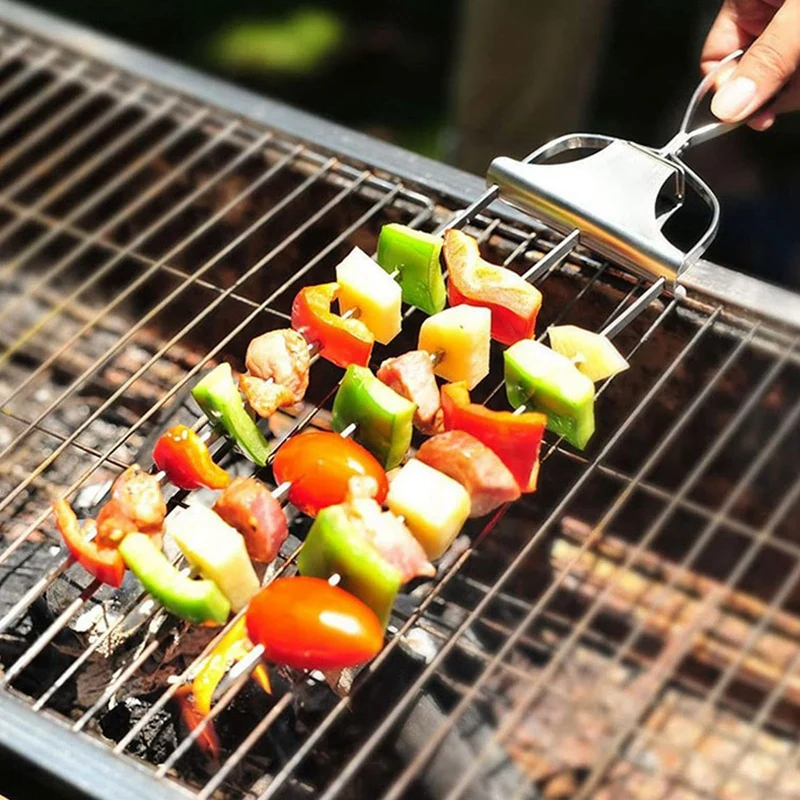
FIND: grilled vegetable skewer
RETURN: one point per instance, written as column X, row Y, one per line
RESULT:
column 463, row 355
column 372, row 550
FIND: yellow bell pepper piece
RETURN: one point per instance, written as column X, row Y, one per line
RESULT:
column 232, row 647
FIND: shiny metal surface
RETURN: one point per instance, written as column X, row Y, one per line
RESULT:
column 609, row 196
column 241, row 214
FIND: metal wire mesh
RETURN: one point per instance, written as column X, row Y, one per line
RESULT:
column 629, row 630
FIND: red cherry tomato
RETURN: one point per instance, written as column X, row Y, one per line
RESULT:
column 319, row 466
column 306, row 623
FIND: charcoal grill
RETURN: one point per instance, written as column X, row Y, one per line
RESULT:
column 630, row 630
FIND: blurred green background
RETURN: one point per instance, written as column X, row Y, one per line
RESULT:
column 380, row 67
column 424, row 75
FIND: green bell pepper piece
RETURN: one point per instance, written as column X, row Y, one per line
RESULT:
column 218, row 396
column 383, row 417
column 415, row 255
column 543, row 380
column 333, row 546
column 194, row 600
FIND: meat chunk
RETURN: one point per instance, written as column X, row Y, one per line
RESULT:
column 411, row 375
column 283, row 357
column 248, row 505
column 398, row 546
column 136, row 495
column 387, row 533
column 113, row 525
column 265, row 397
column 477, row 468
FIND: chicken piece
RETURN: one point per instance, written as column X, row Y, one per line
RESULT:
column 283, row 357
column 137, row 495
column 113, row 525
column 478, row 469
column 249, row 506
column 411, row 375
column 265, row 397
column 387, row 533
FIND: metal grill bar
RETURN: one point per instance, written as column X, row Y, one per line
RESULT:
column 85, row 244
column 78, row 445
column 756, row 632
column 219, row 346
column 70, row 146
column 160, row 264
column 578, row 630
column 390, row 720
column 41, row 99
column 31, row 69
column 79, row 103
column 131, row 135
column 350, row 181
column 122, row 252
column 106, row 244
column 757, row 465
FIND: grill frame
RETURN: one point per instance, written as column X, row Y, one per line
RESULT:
column 326, row 137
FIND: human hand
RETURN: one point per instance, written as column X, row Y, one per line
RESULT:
column 769, row 30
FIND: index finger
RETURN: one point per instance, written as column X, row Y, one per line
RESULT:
column 725, row 36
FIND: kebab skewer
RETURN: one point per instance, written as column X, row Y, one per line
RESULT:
column 258, row 377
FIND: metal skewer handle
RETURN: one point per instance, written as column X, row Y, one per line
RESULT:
column 611, row 194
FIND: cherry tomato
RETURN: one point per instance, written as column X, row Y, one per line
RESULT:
column 319, row 466
column 306, row 623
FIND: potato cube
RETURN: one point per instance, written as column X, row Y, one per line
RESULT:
column 460, row 337
column 434, row 506
column 376, row 295
column 215, row 550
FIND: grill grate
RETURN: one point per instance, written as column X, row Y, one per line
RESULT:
column 628, row 631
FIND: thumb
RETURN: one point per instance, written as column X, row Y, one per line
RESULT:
column 767, row 65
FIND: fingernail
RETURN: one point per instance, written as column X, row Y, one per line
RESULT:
column 733, row 98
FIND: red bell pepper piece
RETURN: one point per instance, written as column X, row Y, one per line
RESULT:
column 342, row 341
column 232, row 647
column 320, row 464
column 306, row 623
column 183, row 455
column 513, row 301
column 515, row 438
column 103, row 563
